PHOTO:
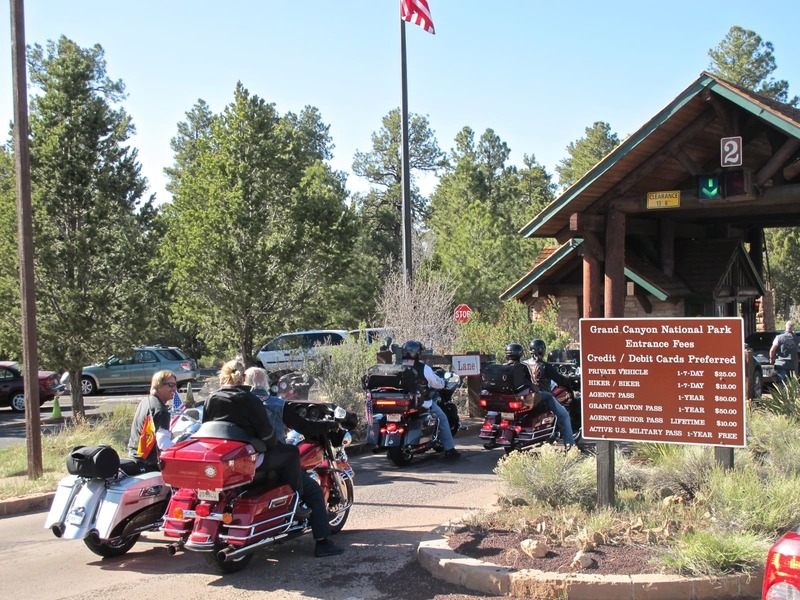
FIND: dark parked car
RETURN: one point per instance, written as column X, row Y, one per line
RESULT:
column 12, row 386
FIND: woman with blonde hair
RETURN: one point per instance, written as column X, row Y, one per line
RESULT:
column 236, row 404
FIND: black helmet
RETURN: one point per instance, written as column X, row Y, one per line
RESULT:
column 514, row 352
column 538, row 348
column 411, row 350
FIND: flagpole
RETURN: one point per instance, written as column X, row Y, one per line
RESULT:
column 408, row 268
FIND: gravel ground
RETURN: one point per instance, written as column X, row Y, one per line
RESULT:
column 503, row 548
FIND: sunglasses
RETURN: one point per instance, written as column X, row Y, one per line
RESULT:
column 171, row 384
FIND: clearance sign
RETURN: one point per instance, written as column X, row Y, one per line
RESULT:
column 663, row 380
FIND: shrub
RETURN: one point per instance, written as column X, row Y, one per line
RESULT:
column 784, row 399
column 744, row 500
column 513, row 325
column 683, row 470
column 773, row 442
column 340, row 377
column 714, row 553
column 549, row 476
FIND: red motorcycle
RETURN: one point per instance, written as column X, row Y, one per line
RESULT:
column 226, row 509
column 514, row 419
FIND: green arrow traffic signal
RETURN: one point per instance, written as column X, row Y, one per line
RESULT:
column 709, row 187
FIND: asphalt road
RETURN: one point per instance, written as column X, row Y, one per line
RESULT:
column 12, row 424
column 394, row 509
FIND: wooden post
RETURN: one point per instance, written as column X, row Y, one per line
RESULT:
column 614, row 307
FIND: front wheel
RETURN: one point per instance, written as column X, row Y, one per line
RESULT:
column 227, row 566
column 18, row 402
column 112, row 548
column 338, row 521
column 401, row 456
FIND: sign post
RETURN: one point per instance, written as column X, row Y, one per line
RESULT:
column 462, row 313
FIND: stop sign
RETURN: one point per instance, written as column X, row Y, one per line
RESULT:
column 462, row 313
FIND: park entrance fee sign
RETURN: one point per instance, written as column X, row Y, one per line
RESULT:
column 678, row 381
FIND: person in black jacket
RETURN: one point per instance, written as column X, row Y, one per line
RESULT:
column 235, row 404
column 543, row 375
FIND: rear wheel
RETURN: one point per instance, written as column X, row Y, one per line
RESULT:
column 338, row 521
column 401, row 456
column 18, row 402
column 227, row 566
column 112, row 548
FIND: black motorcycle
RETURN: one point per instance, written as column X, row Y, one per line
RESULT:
column 399, row 423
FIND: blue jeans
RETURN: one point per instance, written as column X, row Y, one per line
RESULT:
column 443, row 430
column 564, row 425
column 782, row 373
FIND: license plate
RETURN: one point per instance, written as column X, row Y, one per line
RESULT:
column 75, row 517
column 207, row 495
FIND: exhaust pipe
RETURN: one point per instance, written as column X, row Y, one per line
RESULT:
column 172, row 549
column 58, row 529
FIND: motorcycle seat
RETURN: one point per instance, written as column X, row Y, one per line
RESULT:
column 223, row 430
column 132, row 466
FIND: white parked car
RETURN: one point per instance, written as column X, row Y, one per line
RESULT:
column 291, row 350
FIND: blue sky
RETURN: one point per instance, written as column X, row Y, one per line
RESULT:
column 536, row 72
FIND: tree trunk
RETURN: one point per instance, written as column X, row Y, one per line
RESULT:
column 78, row 411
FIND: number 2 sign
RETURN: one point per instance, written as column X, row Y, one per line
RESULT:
column 731, row 151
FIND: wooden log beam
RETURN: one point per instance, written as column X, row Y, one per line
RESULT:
column 656, row 160
column 778, row 159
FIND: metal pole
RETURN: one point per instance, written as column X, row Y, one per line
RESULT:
column 406, row 172
column 30, row 358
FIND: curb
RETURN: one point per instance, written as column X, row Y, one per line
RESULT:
column 436, row 557
column 25, row 504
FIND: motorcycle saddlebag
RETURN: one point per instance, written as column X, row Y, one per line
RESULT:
column 93, row 461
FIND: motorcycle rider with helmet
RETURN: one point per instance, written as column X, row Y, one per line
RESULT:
column 412, row 350
column 543, row 374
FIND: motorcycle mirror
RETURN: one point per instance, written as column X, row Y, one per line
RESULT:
column 339, row 413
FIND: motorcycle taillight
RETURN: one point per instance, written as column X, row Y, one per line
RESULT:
column 203, row 509
column 504, row 424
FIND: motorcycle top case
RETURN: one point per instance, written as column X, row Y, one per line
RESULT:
column 504, row 379
column 209, row 464
column 397, row 377
column 93, row 461
column 392, row 389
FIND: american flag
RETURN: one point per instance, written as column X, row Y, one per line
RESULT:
column 417, row 12
column 177, row 403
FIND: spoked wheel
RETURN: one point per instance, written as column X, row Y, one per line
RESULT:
column 401, row 456
column 338, row 521
column 227, row 566
column 111, row 548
